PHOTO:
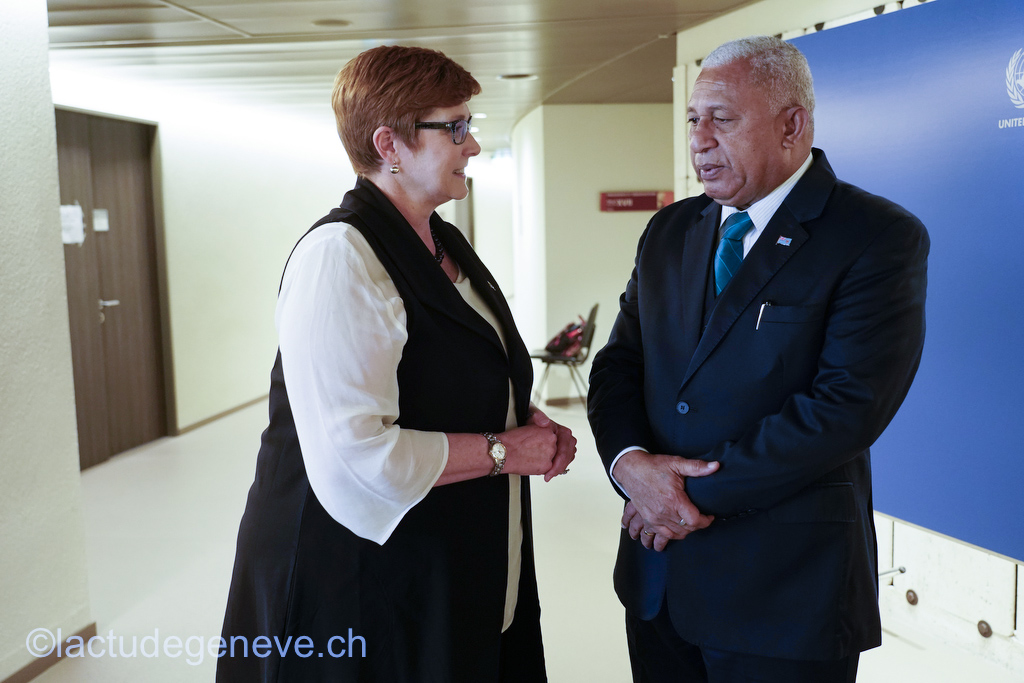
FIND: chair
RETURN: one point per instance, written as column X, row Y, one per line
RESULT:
column 572, row 362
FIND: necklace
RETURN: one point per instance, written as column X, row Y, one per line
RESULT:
column 438, row 247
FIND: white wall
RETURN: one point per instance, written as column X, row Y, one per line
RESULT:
column 238, row 188
column 769, row 17
column 493, row 178
column 42, row 558
column 587, row 254
column 529, row 228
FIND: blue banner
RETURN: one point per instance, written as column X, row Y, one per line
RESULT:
column 925, row 106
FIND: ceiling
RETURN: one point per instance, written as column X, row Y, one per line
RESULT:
column 285, row 53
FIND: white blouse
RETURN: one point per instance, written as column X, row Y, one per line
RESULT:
column 342, row 327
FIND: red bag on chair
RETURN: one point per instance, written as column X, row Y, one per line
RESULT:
column 567, row 342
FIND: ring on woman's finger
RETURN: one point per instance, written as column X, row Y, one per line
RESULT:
column 683, row 522
column 646, row 532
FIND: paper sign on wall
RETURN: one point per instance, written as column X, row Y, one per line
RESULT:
column 72, row 224
column 100, row 220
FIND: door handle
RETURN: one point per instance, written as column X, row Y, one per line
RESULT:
column 107, row 303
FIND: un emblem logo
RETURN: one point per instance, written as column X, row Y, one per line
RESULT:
column 1015, row 79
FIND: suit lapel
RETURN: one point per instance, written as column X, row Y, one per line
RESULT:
column 697, row 249
column 414, row 260
column 481, row 280
column 521, row 367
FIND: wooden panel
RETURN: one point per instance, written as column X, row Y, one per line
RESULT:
column 957, row 579
column 122, row 184
column 80, row 263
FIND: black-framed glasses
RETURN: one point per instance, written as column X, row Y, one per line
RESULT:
column 459, row 129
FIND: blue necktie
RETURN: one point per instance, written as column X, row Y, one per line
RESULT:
column 730, row 250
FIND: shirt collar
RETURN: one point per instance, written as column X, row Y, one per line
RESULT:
column 763, row 209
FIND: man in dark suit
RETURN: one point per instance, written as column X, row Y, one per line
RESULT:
column 769, row 332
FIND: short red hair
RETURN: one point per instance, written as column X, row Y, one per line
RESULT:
column 393, row 86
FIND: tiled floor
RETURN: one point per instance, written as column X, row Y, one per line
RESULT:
column 161, row 522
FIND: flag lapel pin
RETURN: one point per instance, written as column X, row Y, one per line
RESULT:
column 784, row 241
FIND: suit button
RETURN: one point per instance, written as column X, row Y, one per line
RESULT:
column 683, row 407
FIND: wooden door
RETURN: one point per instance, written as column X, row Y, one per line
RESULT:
column 113, row 293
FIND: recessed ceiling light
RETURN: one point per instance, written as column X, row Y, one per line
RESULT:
column 332, row 23
column 480, row 115
column 517, row 77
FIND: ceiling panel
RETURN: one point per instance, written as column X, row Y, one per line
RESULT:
column 271, row 53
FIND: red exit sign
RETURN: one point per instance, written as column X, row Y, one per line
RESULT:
column 635, row 201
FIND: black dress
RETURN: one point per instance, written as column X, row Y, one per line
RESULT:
column 428, row 605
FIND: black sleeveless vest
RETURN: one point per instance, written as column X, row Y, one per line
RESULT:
column 429, row 603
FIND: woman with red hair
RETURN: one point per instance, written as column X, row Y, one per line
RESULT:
column 387, row 535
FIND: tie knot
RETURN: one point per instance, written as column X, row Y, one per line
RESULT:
column 737, row 225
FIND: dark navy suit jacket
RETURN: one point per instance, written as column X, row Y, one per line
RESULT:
column 789, row 406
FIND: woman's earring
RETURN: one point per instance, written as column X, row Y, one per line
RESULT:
column 394, row 169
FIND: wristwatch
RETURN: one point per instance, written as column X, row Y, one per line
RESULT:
column 497, row 452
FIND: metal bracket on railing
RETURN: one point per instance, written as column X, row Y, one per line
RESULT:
column 894, row 570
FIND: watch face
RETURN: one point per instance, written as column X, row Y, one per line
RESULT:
column 498, row 451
